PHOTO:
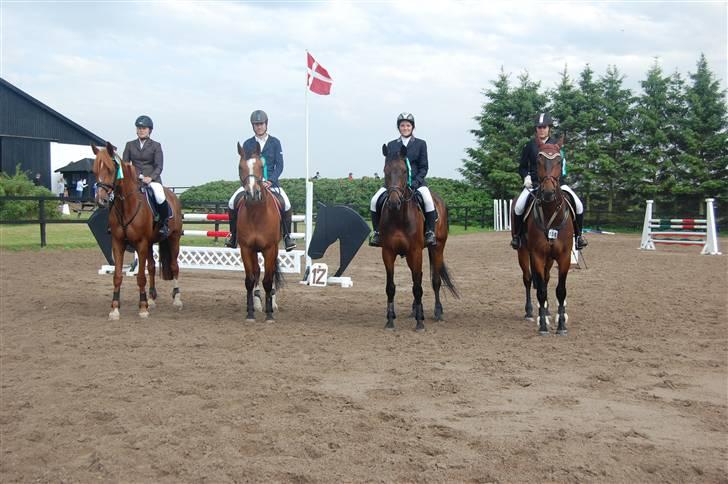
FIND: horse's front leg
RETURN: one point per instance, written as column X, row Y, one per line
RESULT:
column 252, row 270
column 143, row 252
column 526, row 270
column 539, row 280
column 388, row 257
column 564, row 264
column 414, row 261
column 118, row 251
column 151, row 269
column 270, row 257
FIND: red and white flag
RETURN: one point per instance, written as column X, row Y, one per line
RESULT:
column 318, row 78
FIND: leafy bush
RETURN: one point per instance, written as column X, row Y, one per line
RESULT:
column 20, row 185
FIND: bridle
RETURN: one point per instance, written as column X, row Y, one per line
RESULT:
column 558, row 199
column 403, row 193
column 114, row 193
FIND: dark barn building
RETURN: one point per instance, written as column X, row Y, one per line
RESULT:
column 27, row 128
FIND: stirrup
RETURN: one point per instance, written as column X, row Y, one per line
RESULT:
column 430, row 239
column 288, row 243
column 374, row 239
column 163, row 232
column 516, row 242
column 230, row 241
column 581, row 242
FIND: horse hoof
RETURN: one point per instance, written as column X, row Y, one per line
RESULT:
column 543, row 333
column 144, row 314
column 249, row 320
column 562, row 332
column 151, row 303
column 114, row 315
column 420, row 329
column 177, row 303
column 528, row 318
column 270, row 320
column 389, row 327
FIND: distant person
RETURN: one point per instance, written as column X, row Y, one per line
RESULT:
column 36, row 180
column 61, row 187
column 417, row 156
column 147, row 157
column 271, row 152
column 80, row 186
column 376, row 175
column 351, row 176
column 316, row 176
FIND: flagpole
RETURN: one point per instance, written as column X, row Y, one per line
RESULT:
column 309, row 188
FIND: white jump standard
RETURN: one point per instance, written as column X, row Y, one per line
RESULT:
column 681, row 231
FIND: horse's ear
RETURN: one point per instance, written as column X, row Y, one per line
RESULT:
column 256, row 152
column 403, row 152
column 94, row 149
column 240, row 150
column 110, row 148
column 384, row 150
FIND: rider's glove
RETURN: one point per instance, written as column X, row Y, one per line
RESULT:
column 527, row 182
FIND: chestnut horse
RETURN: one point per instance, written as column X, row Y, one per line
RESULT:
column 550, row 235
column 131, row 222
column 401, row 229
column 259, row 230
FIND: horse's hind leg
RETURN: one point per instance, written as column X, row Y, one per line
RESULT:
column 388, row 258
column 436, row 261
column 151, row 269
column 143, row 250
column 526, row 270
column 174, row 267
column 414, row 260
column 252, row 271
column 270, row 258
column 561, row 294
column 539, row 280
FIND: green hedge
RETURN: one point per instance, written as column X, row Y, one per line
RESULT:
column 334, row 191
column 19, row 185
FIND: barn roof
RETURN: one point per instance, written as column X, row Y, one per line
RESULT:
column 82, row 165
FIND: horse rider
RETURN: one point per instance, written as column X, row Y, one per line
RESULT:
column 527, row 168
column 417, row 157
column 147, row 157
column 271, row 154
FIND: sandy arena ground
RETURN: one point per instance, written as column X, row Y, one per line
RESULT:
column 636, row 392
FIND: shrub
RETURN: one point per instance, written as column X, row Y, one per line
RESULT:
column 22, row 186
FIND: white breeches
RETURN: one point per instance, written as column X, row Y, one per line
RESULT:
column 424, row 191
column 158, row 190
column 523, row 198
column 579, row 207
column 521, row 202
column 286, row 202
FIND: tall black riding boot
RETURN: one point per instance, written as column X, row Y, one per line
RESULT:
column 287, row 219
column 163, row 209
column 516, row 228
column 374, row 238
column 581, row 242
column 430, row 239
column 232, row 239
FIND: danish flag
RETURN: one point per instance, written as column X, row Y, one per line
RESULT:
column 318, row 78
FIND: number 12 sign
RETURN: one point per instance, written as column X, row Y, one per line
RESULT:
column 318, row 275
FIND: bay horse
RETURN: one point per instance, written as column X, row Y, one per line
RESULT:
column 524, row 262
column 401, row 229
column 550, row 235
column 258, row 230
column 131, row 222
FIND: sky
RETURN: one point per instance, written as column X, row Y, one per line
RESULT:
column 200, row 68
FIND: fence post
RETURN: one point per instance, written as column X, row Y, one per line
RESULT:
column 41, row 213
column 466, row 218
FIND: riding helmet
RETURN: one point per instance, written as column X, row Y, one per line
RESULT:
column 406, row 117
column 543, row 119
column 258, row 116
column 144, row 121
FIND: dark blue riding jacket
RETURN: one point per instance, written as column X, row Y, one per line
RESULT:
column 417, row 155
column 272, row 153
column 528, row 164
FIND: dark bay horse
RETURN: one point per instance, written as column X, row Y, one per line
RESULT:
column 259, row 230
column 550, row 235
column 401, row 229
column 131, row 221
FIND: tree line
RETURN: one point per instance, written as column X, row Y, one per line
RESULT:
column 667, row 142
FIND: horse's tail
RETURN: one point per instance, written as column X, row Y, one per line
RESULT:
column 165, row 259
column 447, row 281
column 278, row 280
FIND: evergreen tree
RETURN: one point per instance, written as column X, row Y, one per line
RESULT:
column 504, row 126
column 703, row 167
column 588, row 125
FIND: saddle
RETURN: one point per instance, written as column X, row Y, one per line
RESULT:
column 151, row 201
column 532, row 201
column 418, row 198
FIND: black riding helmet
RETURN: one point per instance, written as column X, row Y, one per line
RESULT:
column 144, row 121
column 543, row 119
column 258, row 116
column 406, row 117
